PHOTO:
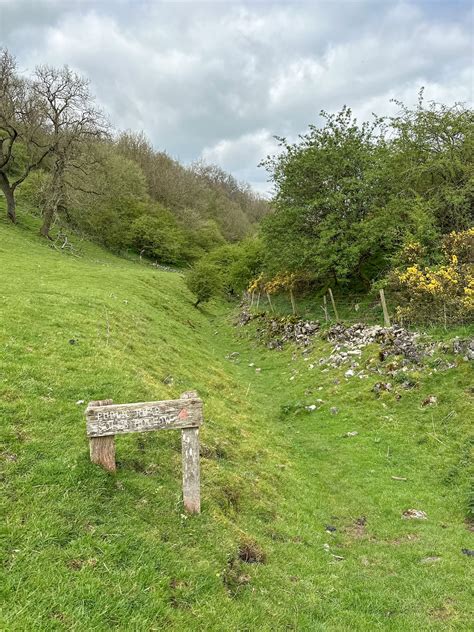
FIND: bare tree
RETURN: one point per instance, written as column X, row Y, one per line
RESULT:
column 74, row 126
column 21, row 128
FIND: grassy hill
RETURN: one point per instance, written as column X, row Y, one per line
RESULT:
column 85, row 550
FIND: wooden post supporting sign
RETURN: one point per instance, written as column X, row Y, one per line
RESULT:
column 191, row 473
column 102, row 449
column 105, row 419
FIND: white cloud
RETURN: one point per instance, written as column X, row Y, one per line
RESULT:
column 217, row 80
column 242, row 155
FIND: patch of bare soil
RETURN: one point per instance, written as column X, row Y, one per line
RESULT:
column 408, row 538
column 357, row 529
column 251, row 553
column 445, row 611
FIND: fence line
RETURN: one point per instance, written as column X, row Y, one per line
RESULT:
column 353, row 308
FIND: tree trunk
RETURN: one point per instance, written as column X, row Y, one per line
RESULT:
column 56, row 198
column 10, row 197
column 364, row 278
column 48, row 216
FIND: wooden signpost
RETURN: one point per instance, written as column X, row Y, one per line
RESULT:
column 105, row 420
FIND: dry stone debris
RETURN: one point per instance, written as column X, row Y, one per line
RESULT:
column 464, row 348
column 382, row 386
column 414, row 514
column 394, row 340
column 233, row 356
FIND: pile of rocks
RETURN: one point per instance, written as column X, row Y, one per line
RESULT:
column 394, row 340
column 464, row 348
column 245, row 316
column 349, row 340
column 275, row 331
column 281, row 330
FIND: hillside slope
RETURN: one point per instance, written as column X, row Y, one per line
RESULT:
column 87, row 550
column 84, row 550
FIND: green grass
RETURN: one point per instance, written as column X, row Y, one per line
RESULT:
column 85, row 550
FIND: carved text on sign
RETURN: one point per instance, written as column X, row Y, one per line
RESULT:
column 143, row 417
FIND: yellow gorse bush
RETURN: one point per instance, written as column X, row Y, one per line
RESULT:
column 412, row 252
column 280, row 282
column 444, row 291
column 283, row 281
column 461, row 245
column 256, row 285
column 468, row 298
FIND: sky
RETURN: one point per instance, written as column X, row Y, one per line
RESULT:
column 218, row 80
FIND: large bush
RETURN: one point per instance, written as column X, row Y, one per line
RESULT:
column 351, row 196
column 238, row 263
column 438, row 293
column 158, row 236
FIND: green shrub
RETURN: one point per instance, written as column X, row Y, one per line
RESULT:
column 438, row 293
column 157, row 235
column 204, row 281
column 239, row 263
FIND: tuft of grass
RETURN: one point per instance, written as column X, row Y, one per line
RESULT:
column 85, row 550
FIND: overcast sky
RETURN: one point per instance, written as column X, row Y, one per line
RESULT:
column 216, row 80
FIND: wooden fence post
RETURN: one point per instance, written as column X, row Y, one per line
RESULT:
column 270, row 302
column 191, row 470
column 293, row 304
column 386, row 317
column 102, row 449
column 333, row 304
column 325, row 308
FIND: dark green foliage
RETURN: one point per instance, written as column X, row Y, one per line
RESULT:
column 350, row 196
column 432, row 158
column 115, row 198
column 158, row 236
column 204, row 281
column 328, row 185
column 113, row 207
column 202, row 238
column 200, row 195
column 19, row 162
column 246, row 265
column 239, row 263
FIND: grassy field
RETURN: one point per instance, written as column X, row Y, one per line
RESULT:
column 84, row 550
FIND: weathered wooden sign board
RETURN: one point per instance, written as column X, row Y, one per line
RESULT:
column 105, row 419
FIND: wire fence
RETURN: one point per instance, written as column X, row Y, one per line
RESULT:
column 371, row 309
